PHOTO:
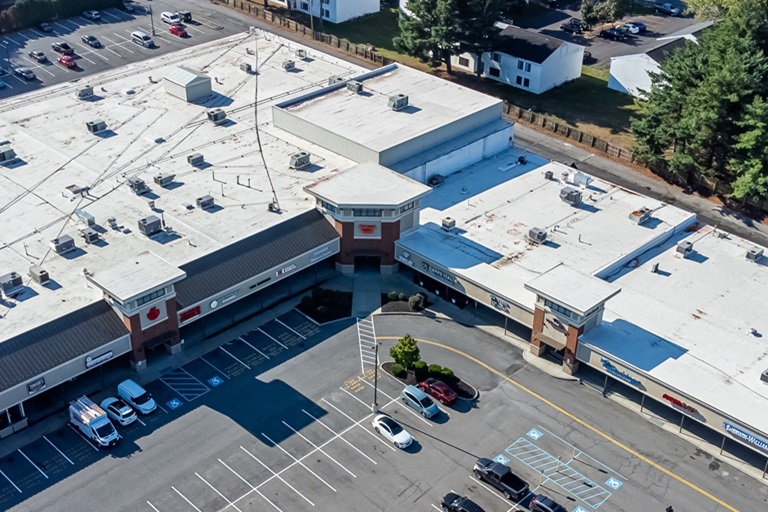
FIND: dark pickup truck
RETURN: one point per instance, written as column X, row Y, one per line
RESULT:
column 667, row 9
column 501, row 477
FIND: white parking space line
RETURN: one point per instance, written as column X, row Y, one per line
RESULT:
column 254, row 348
column 334, row 432
column 251, row 486
column 110, row 50
column 88, row 50
column 9, row 480
column 436, row 508
column 13, row 41
column 270, row 337
column 62, row 26
column 105, row 13
column 86, row 58
column 57, row 449
column 30, row 461
column 294, row 332
column 8, row 85
column 299, row 462
column 358, row 424
column 120, row 44
column 38, row 66
column 477, row 481
column 277, row 475
column 76, row 431
column 233, row 357
column 193, row 29
column 139, row 420
column 217, row 492
column 319, row 449
column 186, row 499
column 153, row 507
column 209, row 364
column 353, row 396
column 74, row 25
column 19, row 79
column 394, row 399
column 36, row 32
column 162, row 408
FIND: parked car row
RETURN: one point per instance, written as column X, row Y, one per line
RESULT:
column 95, row 422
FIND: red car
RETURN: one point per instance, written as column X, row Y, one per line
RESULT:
column 177, row 30
column 439, row 390
column 67, row 61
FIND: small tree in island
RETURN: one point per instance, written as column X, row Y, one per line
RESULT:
column 405, row 352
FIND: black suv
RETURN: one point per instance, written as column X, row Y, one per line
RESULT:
column 573, row 26
column 62, row 48
column 616, row 34
column 542, row 503
column 452, row 502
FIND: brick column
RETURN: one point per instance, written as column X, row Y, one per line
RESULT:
column 570, row 364
column 537, row 347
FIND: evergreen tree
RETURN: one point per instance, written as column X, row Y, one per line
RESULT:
column 433, row 33
column 750, row 163
column 477, row 23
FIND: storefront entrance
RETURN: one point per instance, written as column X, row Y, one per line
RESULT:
column 367, row 262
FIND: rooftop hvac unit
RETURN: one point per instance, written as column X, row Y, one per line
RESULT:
column 537, row 235
column 764, row 376
column 85, row 217
column 289, row 65
column 11, row 284
column 355, row 86
column 299, row 160
column 216, row 116
column 301, row 53
column 548, row 175
column 571, row 196
column 164, row 179
column 581, row 180
column 63, row 244
column 84, row 92
column 754, row 254
column 398, row 102
column 641, row 215
column 448, row 223
column 7, row 154
column 137, row 185
column 150, row 225
column 205, row 202
column 335, row 79
column 195, row 159
column 39, row 274
column 96, row 126
column 89, row 235
column 246, row 66
column 684, row 249
column 112, row 222
column 435, row 180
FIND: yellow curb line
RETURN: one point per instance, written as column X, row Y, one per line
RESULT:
column 576, row 419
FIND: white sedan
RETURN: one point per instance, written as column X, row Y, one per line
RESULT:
column 92, row 15
column 119, row 411
column 392, row 430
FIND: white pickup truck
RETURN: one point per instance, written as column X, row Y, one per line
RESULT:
column 92, row 422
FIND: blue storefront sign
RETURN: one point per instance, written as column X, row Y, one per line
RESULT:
column 745, row 436
column 610, row 368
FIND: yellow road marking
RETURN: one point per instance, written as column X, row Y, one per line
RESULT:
column 576, row 419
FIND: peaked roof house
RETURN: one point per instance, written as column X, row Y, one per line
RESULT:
column 630, row 74
column 527, row 60
column 335, row 11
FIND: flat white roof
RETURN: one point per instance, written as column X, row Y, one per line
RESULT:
column 433, row 103
column 576, row 290
column 129, row 278
column 690, row 324
column 367, row 184
column 149, row 132
column 497, row 201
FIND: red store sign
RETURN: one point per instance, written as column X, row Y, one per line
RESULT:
column 190, row 313
column 679, row 403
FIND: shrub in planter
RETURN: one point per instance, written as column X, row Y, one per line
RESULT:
column 447, row 375
column 401, row 296
column 406, row 351
column 322, row 310
column 393, row 295
column 398, row 370
column 420, row 369
column 434, row 370
column 415, row 302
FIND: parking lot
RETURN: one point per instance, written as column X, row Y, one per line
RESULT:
column 548, row 23
column 279, row 418
column 113, row 31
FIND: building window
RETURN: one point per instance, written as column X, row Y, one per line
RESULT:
column 494, row 72
column 522, row 81
column 527, row 67
column 150, row 297
column 496, row 56
column 326, row 13
column 526, row 82
column 304, row 6
column 366, row 212
column 328, row 206
column 326, row 1
column 463, row 61
column 407, row 207
column 524, row 66
column 560, row 309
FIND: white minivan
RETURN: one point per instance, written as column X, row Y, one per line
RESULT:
column 170, row 18
column 142, row 38
column 136, row 396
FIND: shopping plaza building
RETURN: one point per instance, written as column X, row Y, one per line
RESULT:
column 138, row 215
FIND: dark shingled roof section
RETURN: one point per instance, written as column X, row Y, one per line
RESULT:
column 526, row 44
column 27, row 355
column 267, row 249
column 662, row 52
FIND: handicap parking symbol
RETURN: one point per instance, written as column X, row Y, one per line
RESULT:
column 215, row 381
column 580, row 509
column 174, row 404
column 535, row 434
column 613, row 483
column 501, row 459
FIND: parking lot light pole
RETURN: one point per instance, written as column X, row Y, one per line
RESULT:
column 152, row 20
column 375, row 405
